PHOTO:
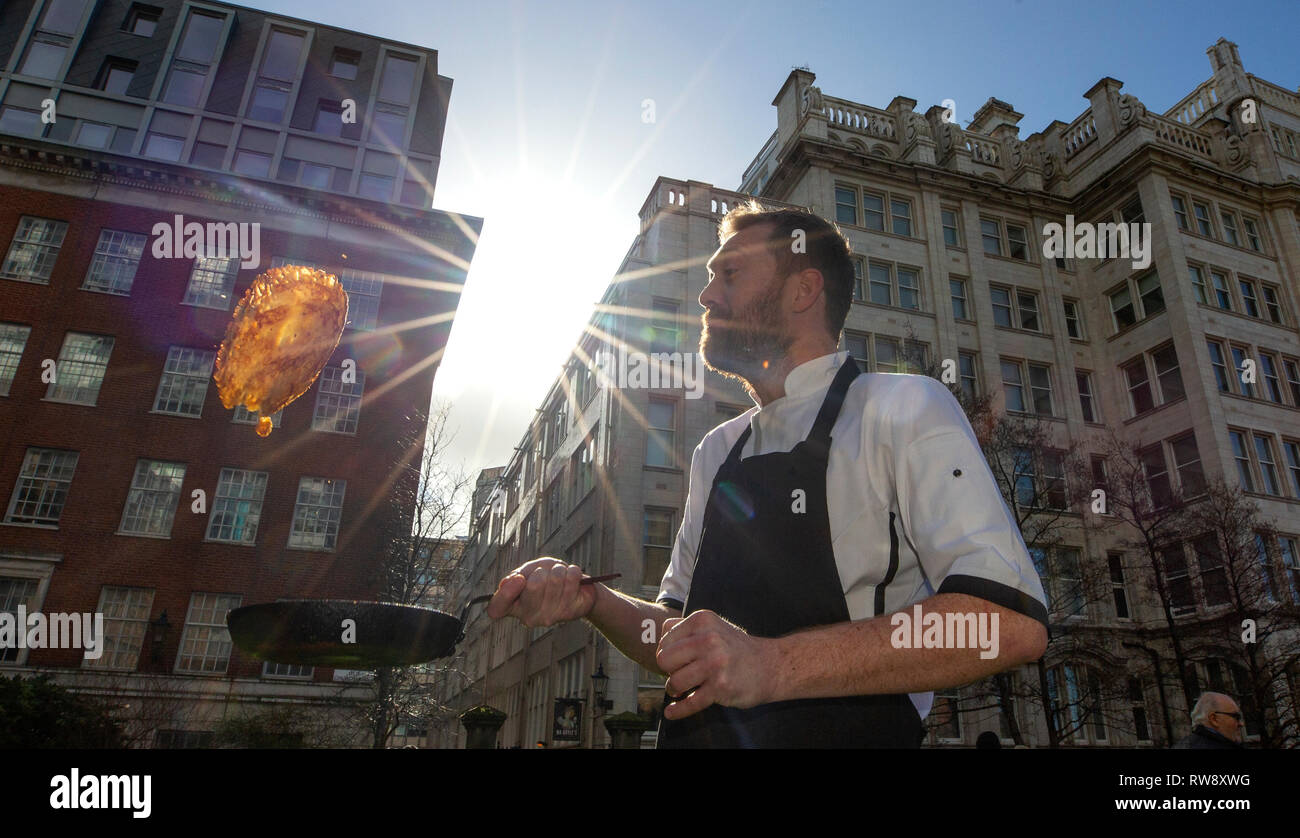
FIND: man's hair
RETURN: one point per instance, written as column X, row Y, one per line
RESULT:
column 824, row 249
column 1205, row 705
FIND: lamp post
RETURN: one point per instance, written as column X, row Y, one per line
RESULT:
column 599, row 688
column 159, row 636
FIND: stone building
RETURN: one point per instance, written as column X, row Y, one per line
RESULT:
column 947, row 225
column 128, row 489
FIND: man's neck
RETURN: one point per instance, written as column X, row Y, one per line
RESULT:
column 770, row 384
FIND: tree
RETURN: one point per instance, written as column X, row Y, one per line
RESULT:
column 1248, row 612
column 425, row 509
column 38, row 713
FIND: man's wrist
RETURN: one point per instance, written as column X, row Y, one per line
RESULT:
column 776, row 674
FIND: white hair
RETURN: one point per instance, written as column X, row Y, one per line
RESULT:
column 1205, row 705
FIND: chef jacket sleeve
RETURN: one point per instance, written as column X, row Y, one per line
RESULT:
column 950, row 508
column 677, row 579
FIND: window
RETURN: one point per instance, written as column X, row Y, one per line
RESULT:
column 375, row 187
column 1267, row 465
column 1180, row 213
column 163, row 147
column 286, row 670
column 21, row 121
column 329, row 118
column 13, row 340
column 126, row 620
column 34, row 249
column 1084, row 381
column 1222, row 296
column 1230, row 227
column 317, row 513
column 663, row 328
column 1137, row 704
column 1239, row 454
column 1214, row 577
column 1178, row 582
column 275, row 79
column 1166, row 365
column 79, row 372
column 583, row 471
column 887, row 355
column 1292, row 450
column 951, row 229
column 1239, row 357
column 42, row 487
column 94, row 135
column 846, row 205
column 1187, row 460
column 344, row 64
column 1139, row 386
column 398, row 79
column 657, row 545
column 856, row 345
column 991, row 235
column 151, row 503
column 1272, row 306
column 1252, row 235
column 967, row 369
column 338, row 402
column 53, row 38
column 116, row 75
column 661, row 440
column 184, row 384
column 211, row 155
column 205, row 643
column 873, row 212
column 113, row 267
column 193, row 59
column 881, row 284
column 1040, row 387
column 252, row 163
column 1024, row 314
column 1290, row 564
column 1068, row 580
column 142, row 20
column 1131, row 213
column 212, row 283
column 1150, row 301
column 1119, row 590
column 957, row 288
column 1292, row 368
column 901, row 215
column 1198, row 283
column 1272, row 384
column 1249, row 300
column 1017, row 242
column 1219, row 365
column 1073, row 319
column 1156, row 471
column 237, row 507
column 15, row 592
column 1203, row 223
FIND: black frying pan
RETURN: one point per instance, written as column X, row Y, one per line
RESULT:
column 310, row 632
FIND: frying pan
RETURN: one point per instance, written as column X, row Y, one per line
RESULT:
column 310, row 632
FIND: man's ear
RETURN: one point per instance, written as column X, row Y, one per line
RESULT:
column 809, row 285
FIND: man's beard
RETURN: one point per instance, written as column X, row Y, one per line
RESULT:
column 747, row 344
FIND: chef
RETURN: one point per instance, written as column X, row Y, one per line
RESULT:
column 815, row 522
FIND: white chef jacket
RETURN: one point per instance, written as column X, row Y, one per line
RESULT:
column 900, row 445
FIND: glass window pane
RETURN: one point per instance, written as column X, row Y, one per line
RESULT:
column 44, row 59
column 280, row 61
column 200, row 40
column 398, row 79
column 62, row 16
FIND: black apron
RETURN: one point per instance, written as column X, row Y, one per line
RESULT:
column 765, row 563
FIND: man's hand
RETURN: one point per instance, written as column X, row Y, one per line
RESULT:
column 543, row 592
column 717, row 660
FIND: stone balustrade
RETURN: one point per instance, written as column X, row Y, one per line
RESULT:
column 983, row 150
column 1173, row 133
column 850, row 116
column 1277, row 96
column 1195, row 104
column 1079, row 134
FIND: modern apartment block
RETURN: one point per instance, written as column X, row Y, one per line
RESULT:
column 947, row 226
column 128, row 133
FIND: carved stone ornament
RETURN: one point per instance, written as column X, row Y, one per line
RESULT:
column 812, row 99
column 1237, row 152
column 916, row 127
column 1049, row 165
column 1130, row 109
column 949, row 137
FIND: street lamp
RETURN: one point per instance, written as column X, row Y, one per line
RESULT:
column 159, row 638
column 599, row 687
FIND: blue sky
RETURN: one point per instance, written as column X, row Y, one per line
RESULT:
column 545, row 139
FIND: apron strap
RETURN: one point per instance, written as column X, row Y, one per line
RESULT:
column 819, row 439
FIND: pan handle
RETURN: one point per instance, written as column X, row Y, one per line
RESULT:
column 586, row 580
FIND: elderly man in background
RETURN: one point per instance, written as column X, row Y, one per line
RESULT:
column 1216, row 723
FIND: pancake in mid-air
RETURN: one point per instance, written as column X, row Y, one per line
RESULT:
column 281, row 335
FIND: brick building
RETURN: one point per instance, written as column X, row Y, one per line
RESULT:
column 947, row 226
column 129, row 489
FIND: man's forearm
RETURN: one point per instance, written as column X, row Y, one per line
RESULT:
column 622, row 619
column 858, row 658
